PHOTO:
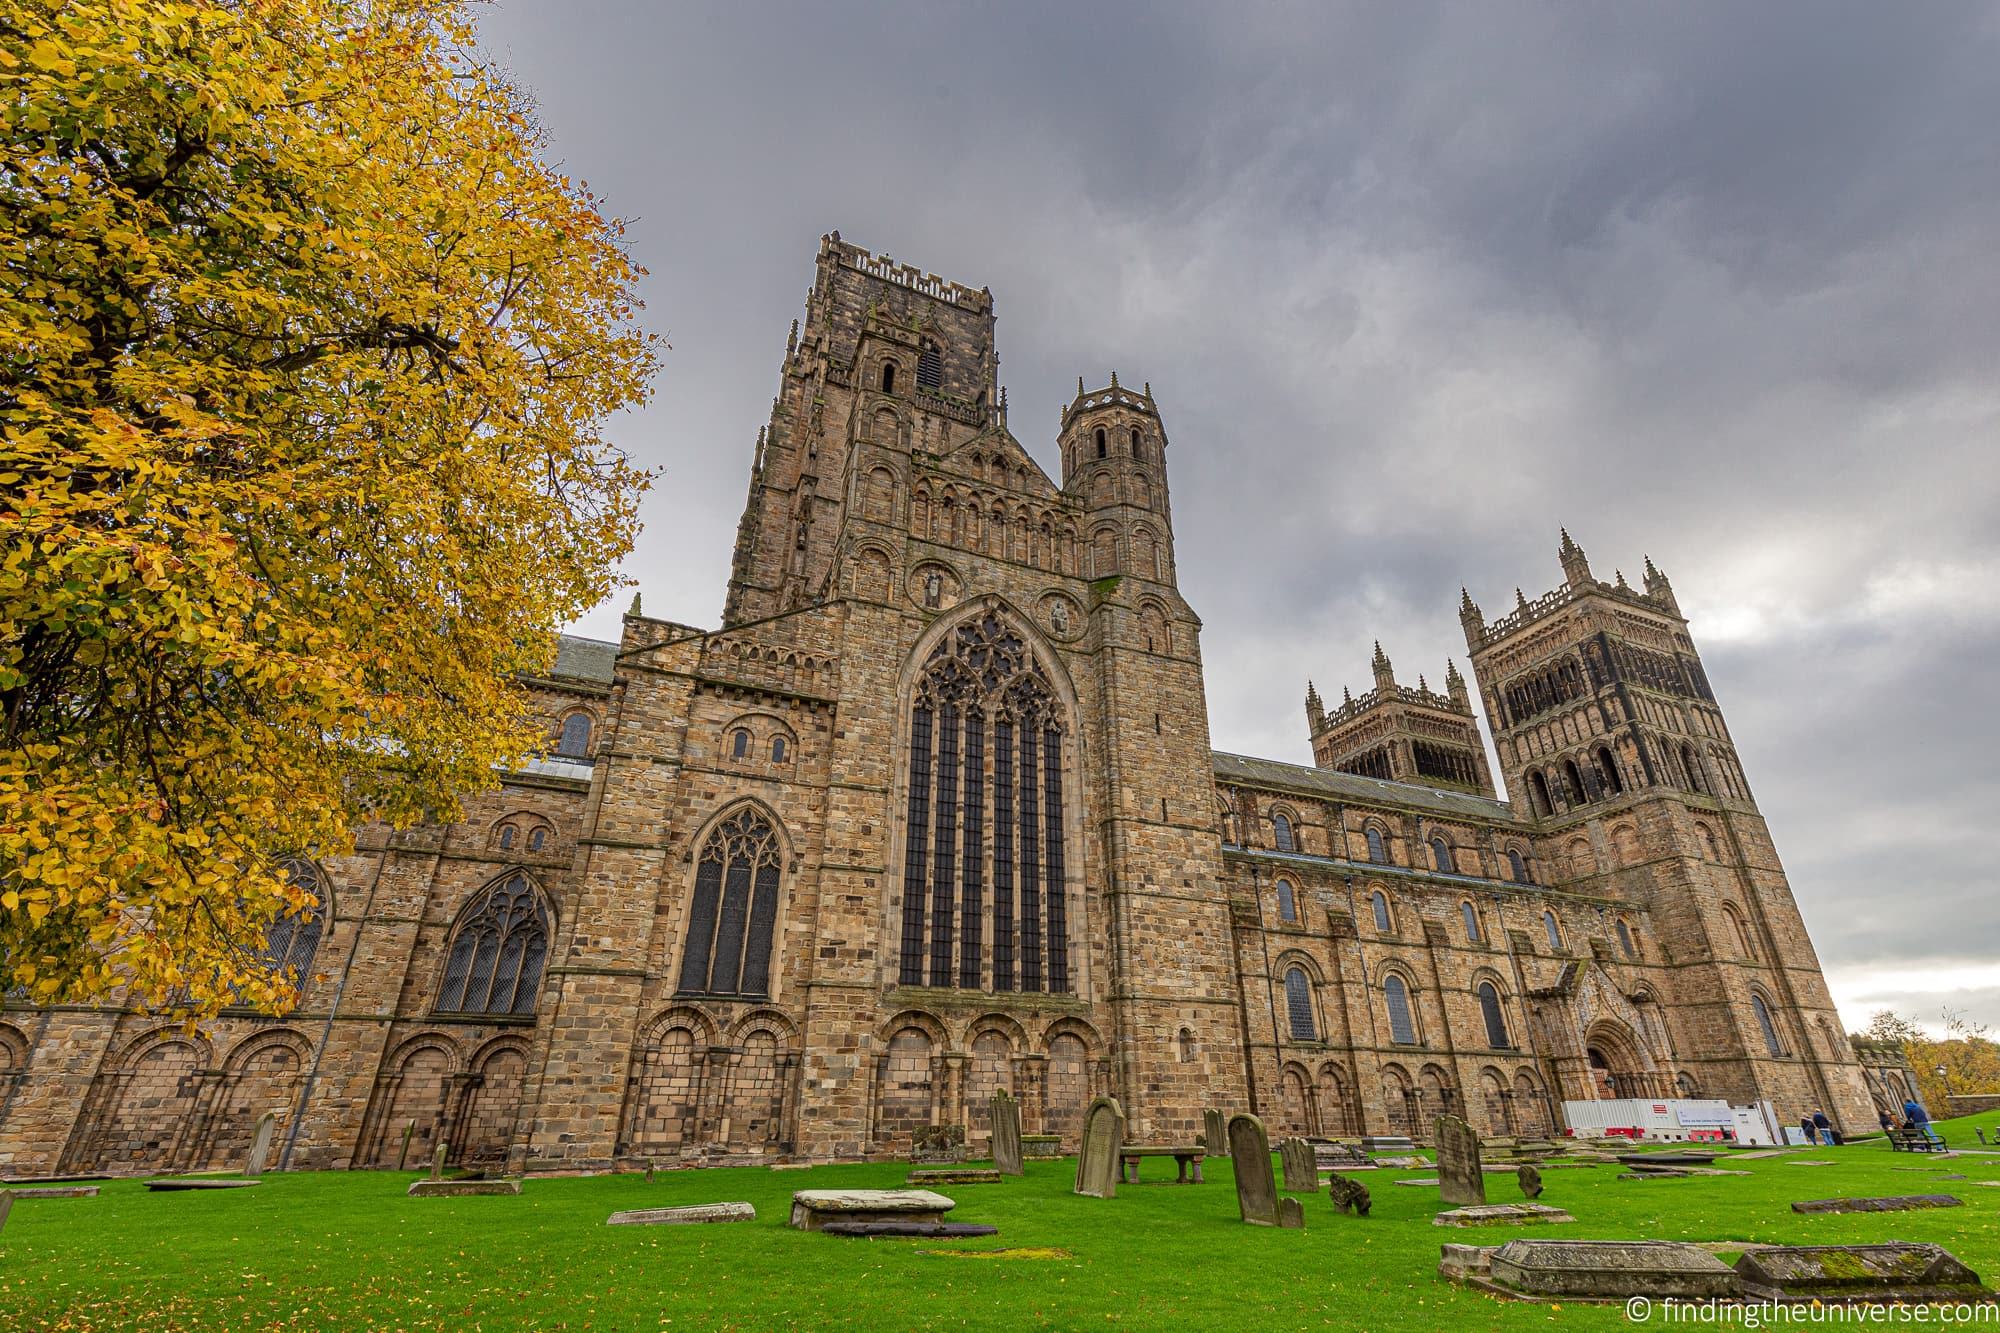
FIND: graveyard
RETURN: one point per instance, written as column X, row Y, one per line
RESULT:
column 353, row 1249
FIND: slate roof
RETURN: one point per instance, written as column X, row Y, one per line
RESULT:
column 1333, row 785
column 584, row 659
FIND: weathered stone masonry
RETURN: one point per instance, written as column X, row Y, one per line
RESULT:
column 935, row 813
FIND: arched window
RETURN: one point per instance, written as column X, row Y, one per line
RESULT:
column 777, row 749
column 1380, row 900
column 1771, row 1042
column 982, row 693
column 1554, row 929
column 494, row 964
column 535, row 837
column 1281, row 832
column 1573, row 782
column 1299, row 1004
column 1378, row 852
column 734, row 911
column 1688, row 1087
column 1693, row 766
column 1470, row 914
column 1186, row 1042
column 1708, row 846
column 1608, row 768
column 290, row 942
column 1744, row 948
column 1496, row 1019
column 739, row 745
column 1441, row 855
column 1102, row 448
column 1538, row 794
column 1138, row 448
column 575, row 740
column 888, row 377
column 1288, row 903
column 930, row 367
column 1396, row 995
column 1625, row 944
column 1517, row 865
column 507, row 832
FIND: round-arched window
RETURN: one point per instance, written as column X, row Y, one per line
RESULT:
column 1298, row 1004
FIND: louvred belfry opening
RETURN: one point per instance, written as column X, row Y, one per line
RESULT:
column 984, row 896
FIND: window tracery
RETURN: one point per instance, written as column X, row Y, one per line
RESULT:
column 735, row 909
column 494, row 965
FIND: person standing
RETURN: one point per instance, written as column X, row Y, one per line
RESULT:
column 1810, row 1130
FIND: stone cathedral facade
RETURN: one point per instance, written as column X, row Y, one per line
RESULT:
column 934, row 812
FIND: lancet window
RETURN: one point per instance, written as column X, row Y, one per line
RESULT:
column 985, row 903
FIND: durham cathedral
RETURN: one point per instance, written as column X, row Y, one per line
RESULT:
column 934, row 812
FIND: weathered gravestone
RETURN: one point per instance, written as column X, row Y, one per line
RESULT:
column 1097, row 1163
column 437, row 1163
column 1848, row 1274
column 1348, row 1195
column 1256, row 1187
column 453, row 1189
column 1901, row 1203
column 1530, row 1178
column 1460, row 1181
column 57, row 1192
column 691, row 1215
column 1215, row 1133
column 1593, row 1270
column 1301, row 1167
column 6, row 1207
column 260, row 1146
column 1006, row 1134
column 1291, row 1214
column 1501, row 1214
column 403, row 1157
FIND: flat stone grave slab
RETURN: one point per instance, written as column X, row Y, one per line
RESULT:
column 1501, row 1214
column 1418, row 1180
column 1897, row 1203
column 946, row 1175
column 1809, row 1161
column 57, row 1192
column 1608, row 1270
column 1850, row 1274
column 813, row 1209
column 691, row 1215
column 1387, row 1143
column 1405, row 1163
column 171, row 1185
column 11, row 1181
column 920, row 1230
column 454, row 1189
column 1644, row 1159
column 1663, row 1173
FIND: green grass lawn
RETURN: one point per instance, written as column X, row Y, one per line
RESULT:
column 349, row 1250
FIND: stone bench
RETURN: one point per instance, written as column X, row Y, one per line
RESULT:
column 813, row 1210
column 1130, row 1155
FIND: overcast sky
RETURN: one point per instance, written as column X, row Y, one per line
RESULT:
column 1414, row 286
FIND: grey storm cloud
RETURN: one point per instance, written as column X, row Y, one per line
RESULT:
column 1414, row 285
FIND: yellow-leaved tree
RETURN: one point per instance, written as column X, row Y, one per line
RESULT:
column 304, row 357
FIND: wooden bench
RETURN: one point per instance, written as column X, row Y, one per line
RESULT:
column 1915, row 1140
column 1184, row 1158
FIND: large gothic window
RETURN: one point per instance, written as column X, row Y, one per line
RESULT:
column 495, row 962
column 735, row 909
column 930, row 367
column 985, row 809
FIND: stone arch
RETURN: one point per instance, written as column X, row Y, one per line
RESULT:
column 906, row 1082
column 1156, row 631
column 14, row 1048
column 1438, row 1095
column 262, row 1073
column 485, row 1129
column 1615, row 1059
column 1339, row 1112
column 756, row 1099
column 142, row 1105
column 410, row 1096
column 1104, row 552
column 670, row 1072
column 1300, row 1102
column 1388, row 975
column 1496, row 1102
column 993, row 1043
column 874, row 575
column 1625, row 844
column 1399, row 1100
column 1531, row 1111
column 1070, row 1049
column 1740, row 937
column 1578, row 858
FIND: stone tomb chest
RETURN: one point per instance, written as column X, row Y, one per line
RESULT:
column 1610, row 1269
column 1843, row 1274
column 814, row 1209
